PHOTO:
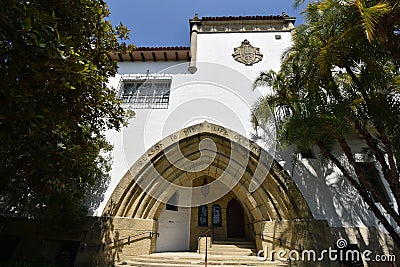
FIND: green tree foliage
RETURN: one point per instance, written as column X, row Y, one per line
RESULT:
column 54, row 104
column 379, row 20
column 339, row 84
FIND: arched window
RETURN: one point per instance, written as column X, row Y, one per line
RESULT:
column 216, row 216
column 203, row 216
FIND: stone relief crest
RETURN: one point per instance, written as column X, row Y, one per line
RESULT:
column 247, row 54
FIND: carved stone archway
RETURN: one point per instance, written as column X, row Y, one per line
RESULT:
column 278, row 198
column 276, row 209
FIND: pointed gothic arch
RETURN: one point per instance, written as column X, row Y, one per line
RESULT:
column 278, row 197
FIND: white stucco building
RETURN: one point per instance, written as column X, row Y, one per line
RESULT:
column 185, row 95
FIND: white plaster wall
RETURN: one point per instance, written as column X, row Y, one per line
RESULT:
column 215, row 93
column 220, row 92
column 219, row 47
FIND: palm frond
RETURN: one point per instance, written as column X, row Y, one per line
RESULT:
column 372, row 16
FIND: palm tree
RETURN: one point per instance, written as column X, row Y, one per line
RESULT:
column 339, row 82
column 379, row 20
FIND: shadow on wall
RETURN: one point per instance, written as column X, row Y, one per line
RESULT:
column 114, row 239
column 331, row 197
column 95, row 194
column 335, row 198
column 95, row 243
column 23, row 242
column 95, row 249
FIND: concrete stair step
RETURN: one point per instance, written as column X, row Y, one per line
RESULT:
column 187, row 261
column 190, row 259
column 210, row 264
column 133, row 264
column 234, row 242
column 137, row 264
column 233, row 247
column 229, row 246
column 232, row 253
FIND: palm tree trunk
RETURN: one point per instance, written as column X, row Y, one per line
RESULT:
column 389, row 171
column 362, row 179
column 391, row 174
column 363, row 193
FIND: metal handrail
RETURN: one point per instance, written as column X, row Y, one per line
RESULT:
column 262, row 236
column 101, row 246
column 205, row 234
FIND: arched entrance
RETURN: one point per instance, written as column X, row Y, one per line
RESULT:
column 277, row 199
column 235, row 220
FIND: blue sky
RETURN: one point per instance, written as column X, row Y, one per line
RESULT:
column 166, row 22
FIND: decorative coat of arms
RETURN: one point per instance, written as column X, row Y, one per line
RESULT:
column 247, row 54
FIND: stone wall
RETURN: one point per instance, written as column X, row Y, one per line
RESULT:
column 294, row 235
column 100, row 241
column 29, row 240
column 111, row 239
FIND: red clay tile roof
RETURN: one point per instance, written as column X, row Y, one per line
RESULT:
column 243, row 18
column 158, row 48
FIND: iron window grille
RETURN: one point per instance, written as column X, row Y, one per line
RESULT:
column 145, row 92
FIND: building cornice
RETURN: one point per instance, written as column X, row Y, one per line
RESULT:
column 226, row 18
column 280, row 23
column 154, row 54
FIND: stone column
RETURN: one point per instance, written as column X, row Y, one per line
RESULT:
column 193, row 43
